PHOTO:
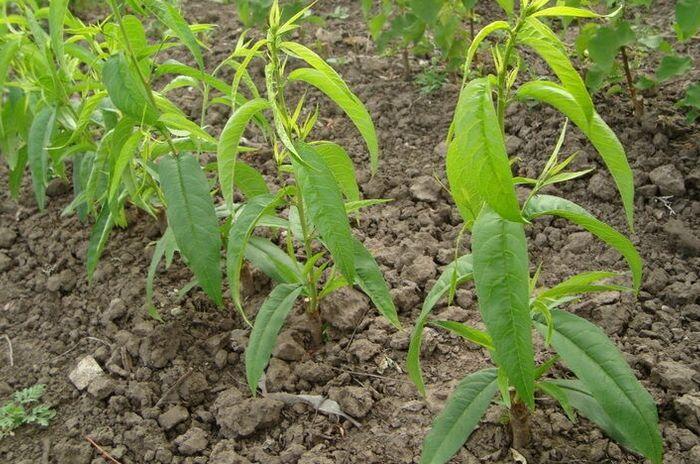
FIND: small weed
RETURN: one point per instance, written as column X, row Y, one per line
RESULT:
column 15, row 413
column 431, row 79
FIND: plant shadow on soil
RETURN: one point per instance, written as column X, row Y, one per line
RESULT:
column 176, row 393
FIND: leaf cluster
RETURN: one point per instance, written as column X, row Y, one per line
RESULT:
column 18, row 412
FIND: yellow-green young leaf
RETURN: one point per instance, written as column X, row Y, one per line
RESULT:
column 227, row 150
column 477, row 163
column 173, row 20
column 87, row 109
column 480, row 36
column 541, row 205
column 326, row 211
column 458, row 271
column 507, row 5
column 312, row 59
column 548, row 46
column 598, row 132
column 596, row 361
column 192, row 217
column 178, row 122
column 239, row 234
column 137, row 36
column 349, row 103
column 566, row 11
column 371, row 281
column 175, row 67
column 268, row 323
column 57, row 14
column 126, row 154
column 98, row 238
column 272, row 261
column 249, row 181
column 462, row 413
column 501, row 275
column 341, row 166
column 586, row 282
column 126, row 90
column 37, row 150
column 471, row 334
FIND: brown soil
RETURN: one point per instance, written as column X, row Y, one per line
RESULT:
column 176, row 393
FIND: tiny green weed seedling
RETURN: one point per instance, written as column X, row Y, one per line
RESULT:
column 18, row 411
column 431, row 79
column 511, row 302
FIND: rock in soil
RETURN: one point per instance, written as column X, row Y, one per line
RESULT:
column 243, row 418
column 173, row 416
column 7, row 237
column 355, row 401
column 688, row 409
column 683, row 237
column 344, row 308
column 224, row 452
column 85, row 372
column 425, row 188
column 669, row 180
column 192, row 442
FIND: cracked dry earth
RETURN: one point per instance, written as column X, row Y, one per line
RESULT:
column 175, row 393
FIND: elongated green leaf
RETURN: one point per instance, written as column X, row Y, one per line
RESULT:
column 341, row 166
column 316, row 62
column 581, row 283
column 171, row 17
column 501, row 275
column 272, row 261
column 240, row 232
column 477, row 163
column 37, row 150
column 98, row 238
column 566, row 11
column 126, row 154
column 479, row 337
column 249, row 180
column 460, row 416
column 370, row 279
column 191, row 215
column 7, row 53
column 126, row 90
column 165, row 242
column 57, row 14
column 426, row 10
column 541, row 205
column 687, row 18
column 227, row 150
column 349, row 103
column 601, row 136
column 178, row 122
column 268, row 323
column 556, row 392
column 597, row 362
column 458, row 271
column 175, row 67
column 548, row 46
column 480, row 36
column 17, row 173
column 507, row 5
column 324, row 204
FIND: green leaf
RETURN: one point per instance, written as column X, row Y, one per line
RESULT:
column 501, row 275
column 227, row 150
column 179, row 122
column 596, row 361
column 370, row 279
column 98, row 238
column 687, row 18
column 37, row 150
column 126, row 90
column 126, row 154
column 191, row 215
column 272, row 261
column 672, row 66
column 477, row 163
column 471, row 334
column 324, row 203
column 556, row 392
column 605, row 44
column 481, row 35
column 541, row 205
column 165, row 242
column 8, row 50
column 239, row 234
column 457, row 272
column 268, row 323
column 349, row 103
column 175, row 67
column 581, row 283
column 171, row 17
column 426, row 10
column 598, row 132
column 507, row 5
column 249, row 180
column 460, row 416
column 566, row 11
column 57, row 14
column 341, row 166
column 16, row 174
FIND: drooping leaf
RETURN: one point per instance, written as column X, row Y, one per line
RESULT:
column 673, row 65
column 175, row 67
column 370, row 279
column 192, row 217
column 477, row 163
column 171, row 17
column 461, row 415
column 457, row 272
column 98, row 238
column 40, row 134
column 267, row 325
column 57, row 13
column 272, row 261
column 471, row 334
column 581, row 283
column 341, row 166
column 596, row 361
column 481, row 35
column 556, row 392
column 126, row 154
column 165, row 242
column 501, row 275
column 324, row 204
column 178, row 122
column 541, row 205
column 126, row 90
column 248, row 180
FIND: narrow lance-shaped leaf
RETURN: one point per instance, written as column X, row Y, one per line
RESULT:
column 460, row 416
column 480, row 36
column 268, row 323
column 57, row 13
column 37, row 150
column 601, row 136
column 272, row 261
column 501, row 275
column 126, row 154
column 192, row 217
column 248, row 180
column 171, row 17
column 370, row 279
column 126, row 90
column 98, row 238
column 541, row 205
column 597, row 362
column 341, row 166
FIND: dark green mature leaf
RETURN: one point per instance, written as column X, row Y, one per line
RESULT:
column 98, row 238
column 501, row 275
column 457, row 272
column 249, row 181
column 37, row 150
column 192, row 217
column 673, row 65
column 460, row 416
column 171, row 17
column 596, row 361
column 341, row 166
column 272, row 261
column 477, row 162
column 687, row 18
column 541, row 205
column 267, row 325
column 426, row 10
column 17, row 173
column 601, row 136
column 370, row 279
column 227, row 150
column 126, row 90
column 348, row 102
column 556, row 392
column 126, row 154
column 324, row 203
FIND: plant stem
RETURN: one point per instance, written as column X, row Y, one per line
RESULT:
column 520, row 425
column 638, row 107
